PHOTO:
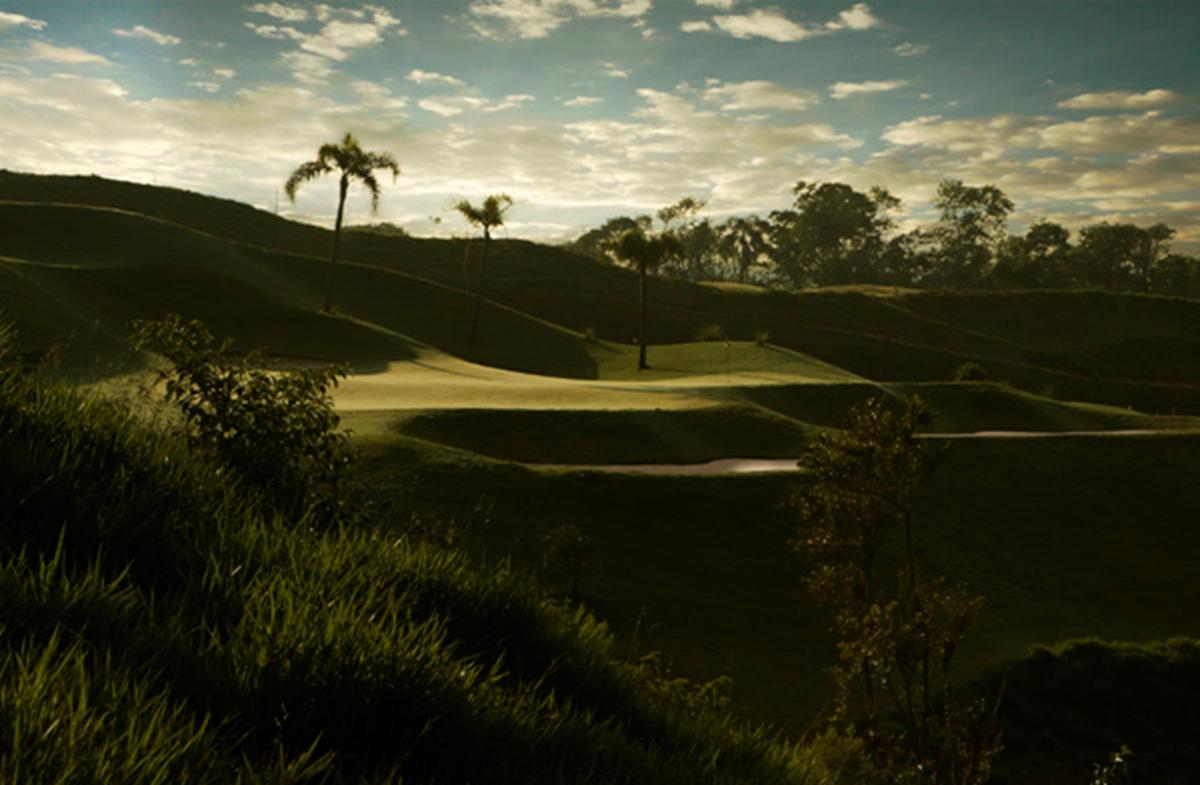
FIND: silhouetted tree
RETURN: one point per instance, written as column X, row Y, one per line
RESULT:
column 745, row 242
column 1120, row 256
column 896, row 633
column 834, row 234
column 647, row 251
column 1039, row 259
column 601, row 243
column 969, row 232
column 351, row 163
column 488, row 215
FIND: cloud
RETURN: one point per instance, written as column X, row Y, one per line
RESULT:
column 907, row 49
column 280, row 11
column 532, row 19
column 773, row 25
column 224, row 73
column 615, row 72
column 510, row 102
column 17, row 20
column 699, row 26
column 1128, row 134
column 208, row 87
column 454, row 105
column 1121, row 99
column 724, row 5
column 841, row 90
column 141, row 31
column 858, row 17
column 426, row 77
column 984, row 138
column 583, row 100
column 451, row 105
column 67, row 55
column 759, row 95
column 342, row 32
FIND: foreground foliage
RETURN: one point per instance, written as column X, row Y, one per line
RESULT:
column 159, row 628
column 896, row 633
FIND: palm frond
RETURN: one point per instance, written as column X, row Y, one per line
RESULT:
column 371, row 184
column 309, row 170
column 384, row 161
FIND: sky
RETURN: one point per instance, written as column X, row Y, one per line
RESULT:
column 1080, row 110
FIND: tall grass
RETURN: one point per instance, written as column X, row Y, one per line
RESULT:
column 159, row 627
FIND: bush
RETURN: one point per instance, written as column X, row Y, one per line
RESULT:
column 275, row 431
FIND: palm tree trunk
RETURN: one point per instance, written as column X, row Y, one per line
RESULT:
column 337, row 238
column 487, row 239
column 642, row 316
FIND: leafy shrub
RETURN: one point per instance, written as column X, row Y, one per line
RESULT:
column 762, row 337
column 276, row 431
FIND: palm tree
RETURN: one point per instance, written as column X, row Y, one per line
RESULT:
column 745, row 241
column 647, row 251
column 353, row 163
column 488, row 215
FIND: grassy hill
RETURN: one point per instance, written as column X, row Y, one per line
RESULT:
column 1123, row 350
column 1064, row 536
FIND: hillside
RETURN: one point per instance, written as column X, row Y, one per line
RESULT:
column 1124, row 350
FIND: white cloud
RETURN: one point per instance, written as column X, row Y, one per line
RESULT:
column 539, row 18
column 773, row 25
column 141, row 31
column 343, row 31
column 907, row 49
column 451, row 105
column 759, row 95
column 224, row 73
column 17, row 20
column 1127, row 134
column 454, row 105
column 510, row 102
column 208, row 87
column 583, row 100
column 724, row 5
column 426, row 77
column 840, row 90
column 276, row 33
column 1121, row 99
column 698, row 26
column 280, row 11
column 67, row 55
column 986, row 138
column 617, row 73
column 858, row 17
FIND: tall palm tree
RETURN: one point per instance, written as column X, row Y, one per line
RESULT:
column 352, row 163
column 647, row 251
column 488, row 215
column 744, row 240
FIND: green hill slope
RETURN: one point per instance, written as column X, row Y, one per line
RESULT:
column 1117, row 349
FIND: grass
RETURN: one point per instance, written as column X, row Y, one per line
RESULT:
column 264, row 648
column 1122, row 350
column 158, row 628
column 1058, row 535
